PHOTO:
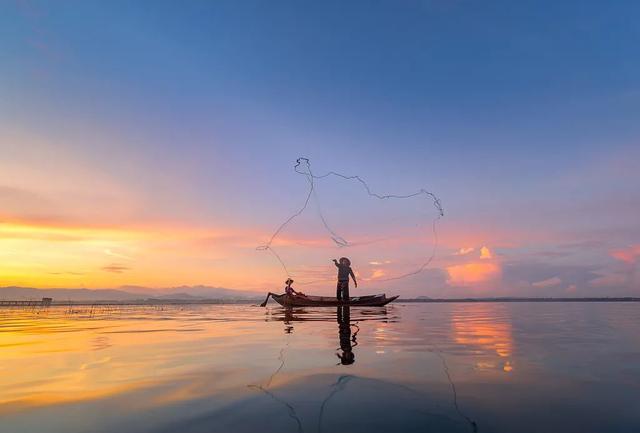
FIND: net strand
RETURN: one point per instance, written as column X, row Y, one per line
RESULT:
column 303, row 167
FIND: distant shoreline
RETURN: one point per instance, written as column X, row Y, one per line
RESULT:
column 405, row 301
column 206, row 295
column 444, row 300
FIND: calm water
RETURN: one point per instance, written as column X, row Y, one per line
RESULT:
column 530, row 367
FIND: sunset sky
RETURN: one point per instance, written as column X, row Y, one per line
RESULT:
column 153, row 143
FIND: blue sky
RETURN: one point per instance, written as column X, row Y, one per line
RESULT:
column 521, row 116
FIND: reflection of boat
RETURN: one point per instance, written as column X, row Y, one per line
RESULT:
column 291, row 315
column 327, row 301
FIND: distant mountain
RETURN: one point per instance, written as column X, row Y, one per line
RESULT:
column 179, row 296
column 61, row 295
column 127, row 293
column 200, row 292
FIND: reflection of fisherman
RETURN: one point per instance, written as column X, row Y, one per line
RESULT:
column 288, row 290
column 288, row 318
column 347, row 356
column 344, row 272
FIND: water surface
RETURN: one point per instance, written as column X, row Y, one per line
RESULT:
column 490, row 367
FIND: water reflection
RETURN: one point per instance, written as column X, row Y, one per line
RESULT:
column 347, row 338
column 347, row 341
column 420, row 367
column 290, row 315
column 487, row 330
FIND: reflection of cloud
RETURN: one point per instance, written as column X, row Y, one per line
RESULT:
column 495, row 337
column 115, row 268
column 481, row 329
column 95, row 364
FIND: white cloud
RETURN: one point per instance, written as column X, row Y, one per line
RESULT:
column 464, row 251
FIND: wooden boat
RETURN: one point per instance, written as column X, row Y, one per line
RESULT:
column 327, row 301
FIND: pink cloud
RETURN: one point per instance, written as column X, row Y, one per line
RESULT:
column 627, row 255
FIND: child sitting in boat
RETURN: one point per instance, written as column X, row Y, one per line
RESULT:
column 344, row 271
column 288, row 290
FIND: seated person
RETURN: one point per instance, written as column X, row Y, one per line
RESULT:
column 289, row 290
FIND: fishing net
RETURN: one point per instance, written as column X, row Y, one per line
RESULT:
column 347, row 212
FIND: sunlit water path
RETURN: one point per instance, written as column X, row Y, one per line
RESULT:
column 491, row 367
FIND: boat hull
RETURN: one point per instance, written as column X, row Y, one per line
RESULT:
column 327, row 301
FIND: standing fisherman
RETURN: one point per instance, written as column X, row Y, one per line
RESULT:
column 344, row 271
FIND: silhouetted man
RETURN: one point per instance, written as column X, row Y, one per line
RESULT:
column 344, row 271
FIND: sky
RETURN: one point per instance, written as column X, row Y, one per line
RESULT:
column 152, row 143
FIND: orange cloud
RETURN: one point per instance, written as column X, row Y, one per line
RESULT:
column 472, row 273
column 485, row 253
column 377, row 273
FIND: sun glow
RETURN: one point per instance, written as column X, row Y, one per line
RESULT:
column 47, row 255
